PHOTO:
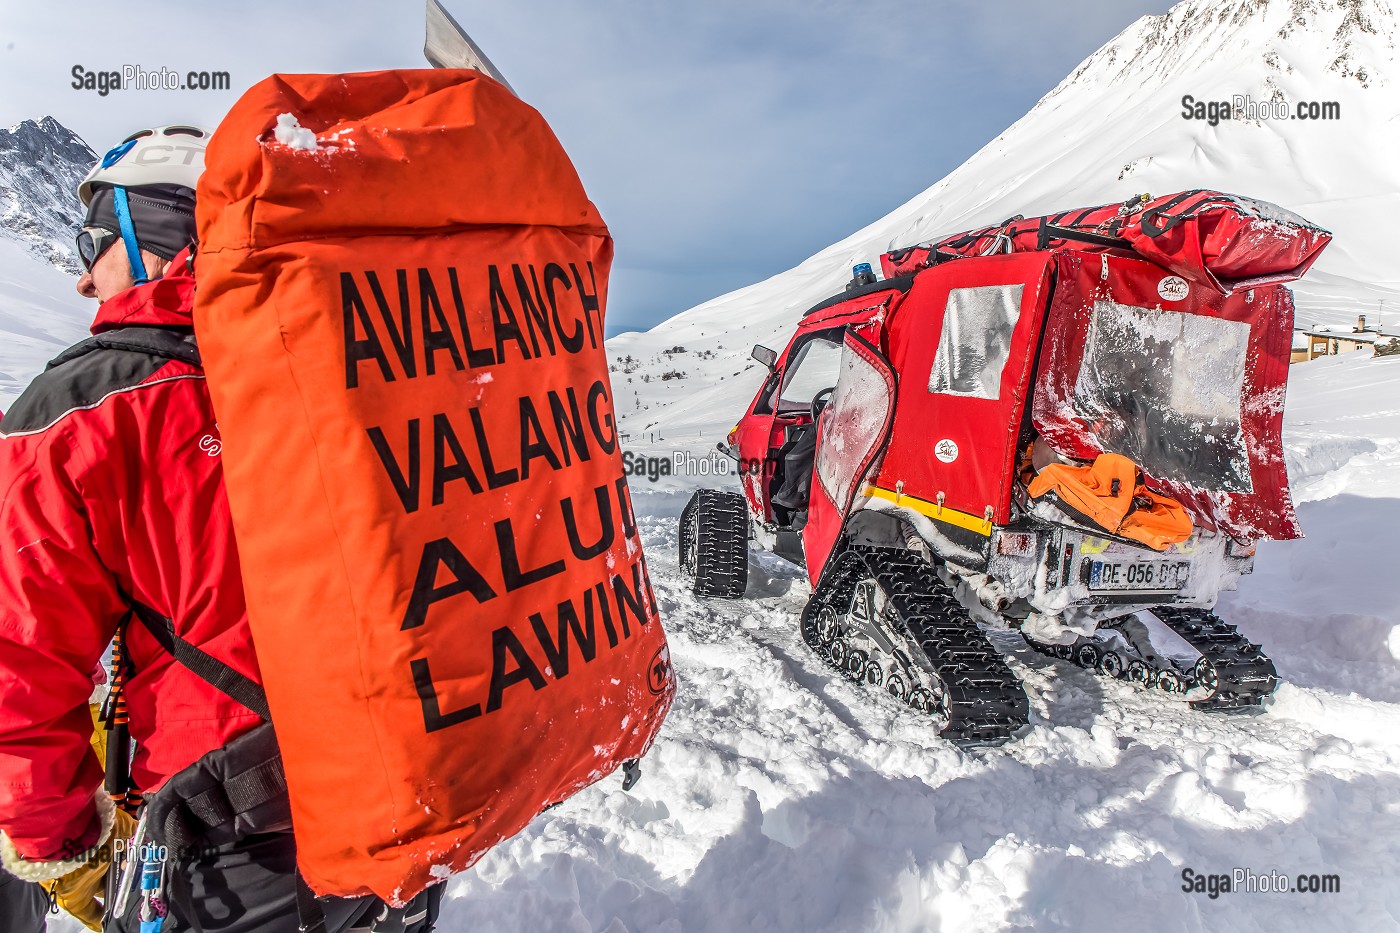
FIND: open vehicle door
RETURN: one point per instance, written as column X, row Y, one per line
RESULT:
column 851, row 435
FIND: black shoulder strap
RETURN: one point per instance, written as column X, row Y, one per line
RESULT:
column 168, row 342
column 208, row 668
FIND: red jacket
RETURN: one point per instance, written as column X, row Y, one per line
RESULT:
column 111, row 484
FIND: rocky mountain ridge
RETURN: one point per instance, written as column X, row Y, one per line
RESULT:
column 41, row 163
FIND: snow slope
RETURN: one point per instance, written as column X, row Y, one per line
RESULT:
column 41, row 164
column 40, row 315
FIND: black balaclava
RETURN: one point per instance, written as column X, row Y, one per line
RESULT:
column 163, row 216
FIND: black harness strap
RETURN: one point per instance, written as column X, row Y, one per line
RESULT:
column 209, row 669
column 256, row 786
column 236, row 790
column 221, row 804
column 1077, row 220
column 1048, row 233
column 189, row 820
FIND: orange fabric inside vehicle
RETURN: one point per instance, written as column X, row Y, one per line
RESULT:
column 1109, row 493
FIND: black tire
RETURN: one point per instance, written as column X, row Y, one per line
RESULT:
column 714, row 543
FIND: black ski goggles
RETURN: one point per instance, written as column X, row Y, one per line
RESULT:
column 93, row 242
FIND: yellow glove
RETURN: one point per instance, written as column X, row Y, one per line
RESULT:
column 79, row 891
column 99, row 733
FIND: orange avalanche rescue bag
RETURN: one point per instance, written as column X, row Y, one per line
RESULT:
column 401, row 286
column 1109, row 493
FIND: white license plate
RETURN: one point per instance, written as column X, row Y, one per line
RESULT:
column 1138, row 574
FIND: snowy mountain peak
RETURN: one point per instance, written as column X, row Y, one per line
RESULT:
column 41, row 163
column 1353, row 39
column 44, row 135
column 1114, row 128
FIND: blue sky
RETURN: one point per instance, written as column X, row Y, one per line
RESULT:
column 724, row 141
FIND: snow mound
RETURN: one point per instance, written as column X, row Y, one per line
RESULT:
column 290, row 133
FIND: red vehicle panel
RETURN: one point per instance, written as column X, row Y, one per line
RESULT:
column 763, row 428
column 964, row 343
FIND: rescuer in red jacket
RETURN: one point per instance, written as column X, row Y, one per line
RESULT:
column 112, row 499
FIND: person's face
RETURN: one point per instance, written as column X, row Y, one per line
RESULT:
column 111, row 274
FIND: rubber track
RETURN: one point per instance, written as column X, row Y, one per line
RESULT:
column 986, row 701
column 1246, row 676
column 722, row 551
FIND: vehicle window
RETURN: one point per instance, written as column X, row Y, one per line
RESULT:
column 814, row 368
column 1166, row 389
column 976, row 340
column 766, row 396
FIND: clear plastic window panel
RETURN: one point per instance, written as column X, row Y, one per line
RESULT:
column 976, row 340
column 815, row 368
column 1165, row 388
column 851, row 426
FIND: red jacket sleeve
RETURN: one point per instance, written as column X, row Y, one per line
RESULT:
column 59, row 608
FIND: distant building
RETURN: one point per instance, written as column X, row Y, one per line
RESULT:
column 1302, row 349
column 1309, row 344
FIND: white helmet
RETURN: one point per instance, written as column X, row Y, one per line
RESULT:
column 165, row 155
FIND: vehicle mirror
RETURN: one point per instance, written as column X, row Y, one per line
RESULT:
column 765, row 356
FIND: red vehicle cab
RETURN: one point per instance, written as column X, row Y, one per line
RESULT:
column 1054, row 430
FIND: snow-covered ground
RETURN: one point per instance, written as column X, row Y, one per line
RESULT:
column 779, row 797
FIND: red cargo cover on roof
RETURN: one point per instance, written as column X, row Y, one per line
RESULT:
column 1186, row 381
column 1222, row 241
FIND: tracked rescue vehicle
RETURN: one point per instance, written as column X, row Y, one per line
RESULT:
column 1068, row 423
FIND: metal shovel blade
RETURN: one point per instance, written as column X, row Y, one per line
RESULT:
column 448, row 46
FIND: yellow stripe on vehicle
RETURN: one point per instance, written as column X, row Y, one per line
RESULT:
column 933, row 510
